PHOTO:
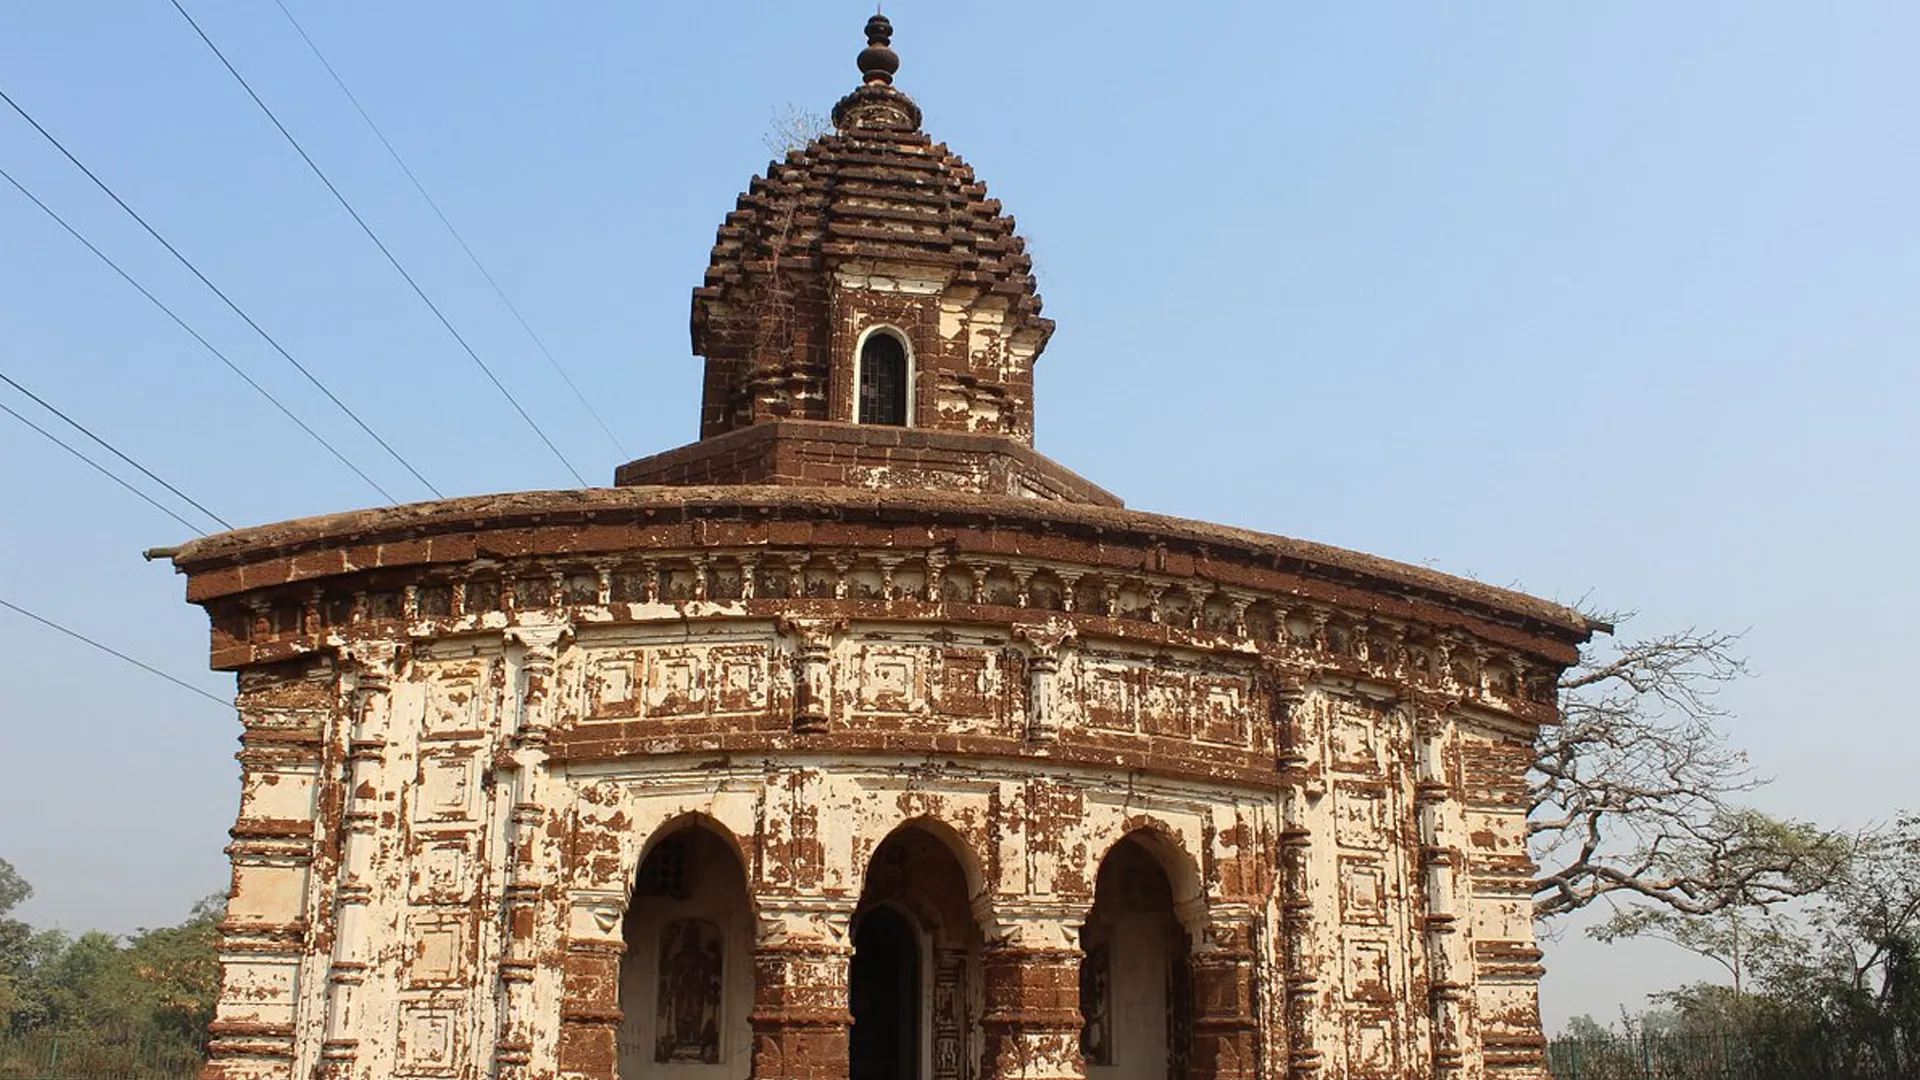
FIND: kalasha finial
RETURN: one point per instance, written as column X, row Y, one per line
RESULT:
column 875, row 105
column 878, row 61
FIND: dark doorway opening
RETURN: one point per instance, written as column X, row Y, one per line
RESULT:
column 884, row 995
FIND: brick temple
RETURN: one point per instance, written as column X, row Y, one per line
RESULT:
column 859, row 741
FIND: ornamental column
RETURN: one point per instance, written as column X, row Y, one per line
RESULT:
column 590, row 986
column 1449, row 963
column 532, row 856
column 1032, row 976
column 1224, row 1000
column 367, row 785
column 803, row 948
column 1303, row 790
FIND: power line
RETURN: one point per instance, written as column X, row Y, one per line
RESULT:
column 195, row 334
column 77, row 426
column 236, row 308
column 102, row 470
column 148, row 668
column 377, row 242
column 451, row 231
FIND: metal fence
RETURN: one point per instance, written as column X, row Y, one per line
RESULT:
column 47, row 1056
column 1728, row 1057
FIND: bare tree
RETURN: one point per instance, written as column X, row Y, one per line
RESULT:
column 1634, row 791
column 793, row 128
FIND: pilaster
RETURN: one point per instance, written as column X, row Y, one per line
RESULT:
column 802, row 950
column 353, row 959
column 285, row 713
column 1305, row 953
column 1032, row 975
column 1225, row 998
column 522, row 1042
column 1442, row 824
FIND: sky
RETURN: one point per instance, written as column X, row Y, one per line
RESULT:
column 1607, row 302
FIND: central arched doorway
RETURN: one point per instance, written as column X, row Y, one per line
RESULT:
column 884, row 996
column 1136, row 989
column 914, row 984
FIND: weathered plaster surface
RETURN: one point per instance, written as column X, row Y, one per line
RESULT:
column 916, row 669
column 443, row 814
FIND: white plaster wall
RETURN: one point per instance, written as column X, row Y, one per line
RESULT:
column 1138, row 947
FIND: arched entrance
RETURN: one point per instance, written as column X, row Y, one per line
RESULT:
column 884, row 996
column 686, row 981
column 1136, row 986
column 914, row 983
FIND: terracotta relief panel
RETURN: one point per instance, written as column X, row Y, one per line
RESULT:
column 1368, row 976
column 687, row 1012
column 1108, row 696
column 455, row 698
column 1359, row 815
column 891, row 679
column 437, row 952
column 1356, row 744
column 1371, row 1047
column 1164, row 696
column 1221, row 708
column 677, row 682
column 1363, row 891
column 430, row 1042
column 443, row 870
column 445, row 789
column 969, row 686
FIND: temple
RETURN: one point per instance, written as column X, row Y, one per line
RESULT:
column 857, row 740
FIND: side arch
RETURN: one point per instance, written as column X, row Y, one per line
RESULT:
column 692, row 819
column 1163, row 843
column 685, row 990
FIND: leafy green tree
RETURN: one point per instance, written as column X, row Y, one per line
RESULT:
column 15, row 941
column 178, row 968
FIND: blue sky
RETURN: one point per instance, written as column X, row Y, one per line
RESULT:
column 1611, row 301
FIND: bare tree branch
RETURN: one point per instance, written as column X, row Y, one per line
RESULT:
column 1632, row 792
column 793, row 128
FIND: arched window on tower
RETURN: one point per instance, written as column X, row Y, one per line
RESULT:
column 884, row 390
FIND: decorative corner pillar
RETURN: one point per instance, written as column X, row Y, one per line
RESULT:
column 802, row 951
column 1032, row 976
column 294, row 729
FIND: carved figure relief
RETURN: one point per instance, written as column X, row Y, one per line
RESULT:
column 1096, row 1005
column 688, row 1014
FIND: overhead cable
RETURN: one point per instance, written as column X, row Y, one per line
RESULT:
column 377, row 242
column 103, row 470
column 451, row 231
column 148, row 668
column 195, row 334
column 217, row 291
column 110, row 448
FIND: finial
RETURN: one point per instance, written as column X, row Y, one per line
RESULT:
column 878, row 61
column 875, row 105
